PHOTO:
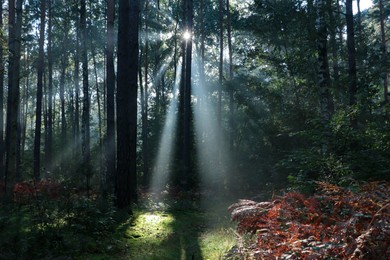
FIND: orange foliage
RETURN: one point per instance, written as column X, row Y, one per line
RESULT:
column 335, row 223
column 24, row 192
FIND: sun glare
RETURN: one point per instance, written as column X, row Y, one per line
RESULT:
column 186, row 35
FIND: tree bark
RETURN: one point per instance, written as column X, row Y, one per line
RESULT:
column 144, row 104
column 126, row 174
column 13, row 99
column 49, row 134
column 85, row 129
column 38, row 115
column 2, row 172
column 384, row 54
column 351, row 62
column 111, row 82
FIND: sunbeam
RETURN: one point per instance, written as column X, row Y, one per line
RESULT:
column 214, row 158
column 163, row 161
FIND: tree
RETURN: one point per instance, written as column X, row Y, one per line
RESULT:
column 85, row 129
column 187, row 112
column 1, row 94
column 38, row 116
column 126, row 174
column 111, row 82
column 323, row 71
column 13, row 102
column 384, row 52
column 352, row 76
column 49, row 132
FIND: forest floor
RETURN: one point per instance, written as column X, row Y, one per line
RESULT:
column 177, row 229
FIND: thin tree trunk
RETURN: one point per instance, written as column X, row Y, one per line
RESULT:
column 38, row 116
column 49, row 138
column 76, row 132
column 2, row 172
column 13, row 99
column 144, row 103
column 220, row 73
column 99, row 108
column 64, row 126
column 323, row 72
column 351, row 62
column 231, row 90
column 85, row 129
column 187, row 97
column 110, row 149
column 384, row 53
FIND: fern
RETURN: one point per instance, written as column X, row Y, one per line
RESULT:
column 335, row 222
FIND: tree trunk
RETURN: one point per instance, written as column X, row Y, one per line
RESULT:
column 64, row 126
column 38, row 116
column 110, row 149
column 144, row 104
column 351, row 62
column 85, row 129
column 49, row 134
column 231, row 89
column 220, row 74
column 13, row 99
column 76, row 130
column 126, row 174
column 384, row 53
column 323, row 72
column 187, row 98
column 2, row 172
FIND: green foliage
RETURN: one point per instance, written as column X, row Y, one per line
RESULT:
column 52, row 228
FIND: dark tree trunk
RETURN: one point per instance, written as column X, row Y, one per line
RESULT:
column 13, row 99
column 49, row 134
column 220, row 68
column 110, row 149
column 2, row 172
column 64, row 126
column 231, row 89
column 85, row 129
column 38, row 115
column 76, row 130
column 126, row 174
column 384, row 54
column 187, row 97
column 144, row 104
column 351, row 62
column 323, row 72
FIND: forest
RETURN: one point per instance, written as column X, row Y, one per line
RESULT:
column 206, row 129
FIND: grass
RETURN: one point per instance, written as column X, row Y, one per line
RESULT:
column 169, row 232
column 176, row 234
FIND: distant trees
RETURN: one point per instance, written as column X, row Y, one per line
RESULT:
column 280, row 78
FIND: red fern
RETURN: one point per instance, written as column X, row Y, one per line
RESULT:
column 335, row 223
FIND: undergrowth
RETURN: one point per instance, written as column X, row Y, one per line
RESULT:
column 335, row 223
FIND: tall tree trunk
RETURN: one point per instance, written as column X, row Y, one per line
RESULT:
column 13, row 99
column 126, row 174
column 231, row 90
column 220, row 73
column 323, row 71
column 76, row 130
column 38, row 116
column 144, row 104
column 98, row 107
column 64, row 126
column 384, row 54
column 187, row 97
column 351, row 62
column 85, row 129
column 49, row 134
column 2, row 172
